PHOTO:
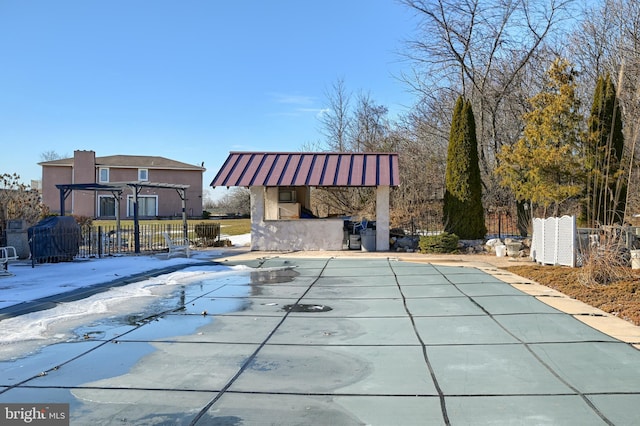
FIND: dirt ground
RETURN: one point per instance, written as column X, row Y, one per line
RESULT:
column 621, row 298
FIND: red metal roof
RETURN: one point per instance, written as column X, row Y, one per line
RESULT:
column 309, row 169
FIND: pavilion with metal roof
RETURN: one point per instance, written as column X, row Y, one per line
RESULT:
column 280, row 184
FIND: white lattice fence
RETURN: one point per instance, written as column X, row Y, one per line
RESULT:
column 554, row 241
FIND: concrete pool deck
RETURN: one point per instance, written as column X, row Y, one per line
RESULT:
column 347, row 338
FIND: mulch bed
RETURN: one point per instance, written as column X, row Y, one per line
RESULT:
column 621, row 298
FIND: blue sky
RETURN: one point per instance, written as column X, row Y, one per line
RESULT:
column 188, row 80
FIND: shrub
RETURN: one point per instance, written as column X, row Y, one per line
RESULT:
column 19, row 201
column 223, row 243
column 208, row 233
column 442, row 243
column 605, row 264
column 85, row 222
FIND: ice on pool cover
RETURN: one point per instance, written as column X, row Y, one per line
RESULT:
column 22, row 334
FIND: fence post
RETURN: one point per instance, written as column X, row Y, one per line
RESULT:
column 100, row 239
column 556, row 242
column 33, row 247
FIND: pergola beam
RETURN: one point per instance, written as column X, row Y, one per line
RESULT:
column 116, row 188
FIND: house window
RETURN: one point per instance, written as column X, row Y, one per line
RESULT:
column 143, row 174
column 106, row 206
column 103, row 174
column 147, row 205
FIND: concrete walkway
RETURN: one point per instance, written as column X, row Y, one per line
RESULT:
column 346, row 340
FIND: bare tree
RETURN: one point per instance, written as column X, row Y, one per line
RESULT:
column 50, row 156
column 237, row 201
column 351, row 126
column 370, row 126
column 608, row 41
column 478, row 48
column 335, row 117
column 19, row 201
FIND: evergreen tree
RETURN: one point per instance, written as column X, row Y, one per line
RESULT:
column 463, row 213
column 545, row 166
column 605, row 191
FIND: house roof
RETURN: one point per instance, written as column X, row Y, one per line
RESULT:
column 309, row 169
column 129, row 161
column 119, row 186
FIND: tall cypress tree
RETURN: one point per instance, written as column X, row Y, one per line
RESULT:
column 463, row 213
column 606, row 190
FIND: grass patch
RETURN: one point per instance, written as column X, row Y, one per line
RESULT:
column 227, row 226
column 235, row 226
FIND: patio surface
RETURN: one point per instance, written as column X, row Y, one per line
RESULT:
column 348, row 340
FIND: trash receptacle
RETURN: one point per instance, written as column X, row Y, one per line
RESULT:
column 354, row 242
column 501, row 250
column 635, row 259
column 368, row 239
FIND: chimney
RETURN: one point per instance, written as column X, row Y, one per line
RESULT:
column 84, row 171
column 84, row 166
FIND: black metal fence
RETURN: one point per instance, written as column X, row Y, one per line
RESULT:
column 100, row 241
column 500, row 223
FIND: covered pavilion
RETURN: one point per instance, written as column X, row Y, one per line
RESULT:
column 281, row 183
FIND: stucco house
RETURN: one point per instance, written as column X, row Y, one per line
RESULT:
column 85, row 168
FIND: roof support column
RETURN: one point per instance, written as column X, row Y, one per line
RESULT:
column 182, row 193
column 257, row 214
column 64, row 193
column 271, row 210
column 382, row 218
column 136, row 223
column 116, row 197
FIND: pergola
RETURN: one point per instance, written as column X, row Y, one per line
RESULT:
column 117, row 188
